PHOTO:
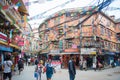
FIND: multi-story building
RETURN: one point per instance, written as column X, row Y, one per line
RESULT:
column 91, row 35
column 12, row 24
column 118, row 32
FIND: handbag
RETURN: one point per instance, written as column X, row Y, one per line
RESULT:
column 36, row 74
column 44, row 69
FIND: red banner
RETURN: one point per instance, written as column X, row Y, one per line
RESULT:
column 21, row 43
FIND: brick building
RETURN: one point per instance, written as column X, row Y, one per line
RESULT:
column 89, row 36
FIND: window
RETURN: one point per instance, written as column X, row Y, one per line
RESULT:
column 68, row 44
column 60, row 31
column 119, row 27
column 46, row 24
column 108, row 23
column 46, row 37
column 109, row 33
column 57, row 20
column 102, row 30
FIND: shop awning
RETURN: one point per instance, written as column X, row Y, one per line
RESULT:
column 110, row 53
column 117, row 52
column 12, row 45
column 54, row 53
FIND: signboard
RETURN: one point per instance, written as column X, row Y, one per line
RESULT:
column 21, row 43
column 3, row 37
column 71, row 50
column 19, row 40
column 88, row 50
column 54, row 52
column 56, row 64
column 5, row 48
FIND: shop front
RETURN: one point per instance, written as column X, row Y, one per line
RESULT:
column 65, row 56
column 89, row 54
column 55, row 56
column 4, row 50
column 108, row 57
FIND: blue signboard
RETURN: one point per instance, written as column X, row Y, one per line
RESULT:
column 4, row 48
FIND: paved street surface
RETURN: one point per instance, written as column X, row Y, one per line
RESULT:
column 108, row 74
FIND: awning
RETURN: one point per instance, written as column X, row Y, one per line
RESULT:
column 54, row 53
column 117, row 52
column 12, row 45
column 110, row 53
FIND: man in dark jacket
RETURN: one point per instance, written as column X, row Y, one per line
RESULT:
column 20, row 65
column 71, row 68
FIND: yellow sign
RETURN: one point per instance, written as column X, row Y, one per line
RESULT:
column 93, row 52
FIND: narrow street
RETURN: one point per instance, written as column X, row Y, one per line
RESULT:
column 108, row 74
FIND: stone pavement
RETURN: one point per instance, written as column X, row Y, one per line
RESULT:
column 107, row 74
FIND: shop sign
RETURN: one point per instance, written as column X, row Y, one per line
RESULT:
column 56, row 64
column 71, row 50
column 74, row 46
column 88, row 50
column 3, row 37
column 21, row 43
column 54, row 51
column 4, row 48
column 19, row 40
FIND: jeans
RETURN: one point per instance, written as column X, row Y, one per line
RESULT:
column 72, row 76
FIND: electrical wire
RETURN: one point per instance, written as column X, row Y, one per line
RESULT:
column 100, row 7
column 51, row 9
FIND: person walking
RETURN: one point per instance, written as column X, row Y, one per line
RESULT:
column 36, row 74
column 49, row 70
column 71, row 68
column 81, row 64
column 7, row 73
column 94, row 66
column 84, row 64
column 20, row 65
column 36, row 61
column 40, row 66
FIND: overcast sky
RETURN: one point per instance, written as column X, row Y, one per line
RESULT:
column 38, row 8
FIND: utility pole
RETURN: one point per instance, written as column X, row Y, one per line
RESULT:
column 94, row 40
column 80, row 27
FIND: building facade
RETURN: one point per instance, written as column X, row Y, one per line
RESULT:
column 87, row 36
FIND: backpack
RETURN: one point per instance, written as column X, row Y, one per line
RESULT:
column 20, row 63
column 36, row 62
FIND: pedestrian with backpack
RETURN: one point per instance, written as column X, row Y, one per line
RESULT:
column 20, row 65
column 36, row 61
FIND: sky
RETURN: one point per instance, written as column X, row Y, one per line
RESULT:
column 48, row 5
